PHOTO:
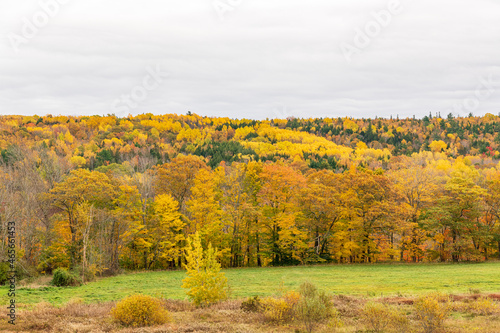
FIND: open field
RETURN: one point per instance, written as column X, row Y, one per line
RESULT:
column 44, row 308
column 356, row 280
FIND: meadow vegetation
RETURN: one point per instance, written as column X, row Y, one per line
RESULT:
column 347, row 314
column 292, row 299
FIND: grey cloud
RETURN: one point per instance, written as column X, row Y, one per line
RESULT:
column 263, row 57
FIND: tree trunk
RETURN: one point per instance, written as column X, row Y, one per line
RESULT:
column 316, row 241
column 259, row 260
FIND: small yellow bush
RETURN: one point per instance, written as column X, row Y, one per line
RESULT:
column 292, row 298
column 276, row 309
column 378, row 317
column 432, row 311
column 483, row 307
column 139, row 310
column 280, row 309
column 399, row 321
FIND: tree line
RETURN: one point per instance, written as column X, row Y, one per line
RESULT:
column 423, row 208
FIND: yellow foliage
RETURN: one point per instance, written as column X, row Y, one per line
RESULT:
column 280, row 309
column 483, row 307
column 77, row 161
column 378, row 317
column 154, row 133
column 489, row 117
column 292, row 297
column 190, row 135
column 438, row 146
column 206, row 284
column 113, row 142
column 360, row 145
column 432, row 311
column 349, row 124
column 442, row 165
column 242, row 132
column 127, row 124
column 140, row 310
column 68, row 137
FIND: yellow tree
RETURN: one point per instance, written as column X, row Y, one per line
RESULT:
column 177, row 177
column 159, row 237
column 279, row 199
column 457, row 210
column 170, row 226
column 253, row 184
column 438, row 146
column 206, row 284
column 205, row 211
column 368, row 198
column 113, row 229
column 322, row 207
column 236, row 208
column 81, row 186
column 491, row 228
column 417, row 186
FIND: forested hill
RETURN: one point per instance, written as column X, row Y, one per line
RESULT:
column 324, row 143
column 104, row 193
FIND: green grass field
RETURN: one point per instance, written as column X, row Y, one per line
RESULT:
column 366, row 280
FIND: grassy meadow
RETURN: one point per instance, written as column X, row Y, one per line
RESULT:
column 355, row 280
column 390, row 288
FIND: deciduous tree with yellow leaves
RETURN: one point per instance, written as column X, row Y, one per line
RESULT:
column 205, row 283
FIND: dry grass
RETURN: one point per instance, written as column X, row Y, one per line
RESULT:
column 35, row 283
column 471, row 313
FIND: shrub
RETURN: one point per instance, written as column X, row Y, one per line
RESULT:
column 139, row 310
column 399, row 321
column 281, row 308
column 89, row 273
column 4, row 272
column 22, row 270
column 482, row 306
column 376, row 316
column 252, row 304
column 291, row 297
column 313, row 306
column 432, row 311
column 63, row 278
column 335, row 322
column 276, row 309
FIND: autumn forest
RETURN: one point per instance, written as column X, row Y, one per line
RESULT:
column 103, row 193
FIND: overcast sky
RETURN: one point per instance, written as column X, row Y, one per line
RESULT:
column 250, row 58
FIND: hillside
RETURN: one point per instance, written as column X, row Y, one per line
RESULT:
column 105, row 193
